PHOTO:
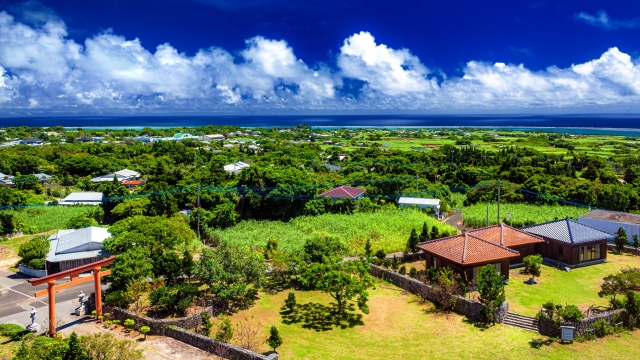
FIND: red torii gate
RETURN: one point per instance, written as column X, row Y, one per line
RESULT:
column 74, row 273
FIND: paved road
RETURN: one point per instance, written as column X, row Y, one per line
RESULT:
column 456, row 220
column 16, row 298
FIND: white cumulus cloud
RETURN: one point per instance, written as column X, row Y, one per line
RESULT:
column 42, row 69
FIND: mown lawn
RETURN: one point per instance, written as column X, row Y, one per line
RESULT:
column 579, row 286
column 399, row 326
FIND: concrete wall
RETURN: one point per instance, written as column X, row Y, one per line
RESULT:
column 464, row 306
column 31, row 272
column 175, row 328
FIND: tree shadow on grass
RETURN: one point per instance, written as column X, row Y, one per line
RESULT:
column 478, row 324
column 321, row 317
column 539, row 342
column 274, row 285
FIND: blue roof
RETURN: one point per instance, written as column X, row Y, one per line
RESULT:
column 568, row 231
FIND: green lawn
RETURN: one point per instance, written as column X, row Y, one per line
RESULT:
column 399, row 326
column 387, row 230
column 579, row 286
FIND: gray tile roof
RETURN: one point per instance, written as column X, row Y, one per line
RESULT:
column 568, row 231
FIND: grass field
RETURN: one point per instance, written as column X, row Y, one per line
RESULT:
column 579, row 286
column 386, row 229
column 521, row 214
column 399, row 326
column 45, row 218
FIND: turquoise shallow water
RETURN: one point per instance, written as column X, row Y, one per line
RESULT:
column 615, row 124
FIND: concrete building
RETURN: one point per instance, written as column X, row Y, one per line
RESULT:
column 235, row 168
column 611, row 221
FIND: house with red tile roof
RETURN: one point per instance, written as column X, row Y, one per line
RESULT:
column 343, row 192
column 466, row 254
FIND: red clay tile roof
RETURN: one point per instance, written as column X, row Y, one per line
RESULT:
column 344, row 192
column 505, row 235
column 132, row 182
column 467, row 249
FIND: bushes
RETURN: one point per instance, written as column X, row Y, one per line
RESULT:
column 34, row 249
column 602, row 328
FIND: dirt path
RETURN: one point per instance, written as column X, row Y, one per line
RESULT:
column 455, row 220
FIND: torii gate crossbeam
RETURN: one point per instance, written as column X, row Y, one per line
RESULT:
column 74, row 274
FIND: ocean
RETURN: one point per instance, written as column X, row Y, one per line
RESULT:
column 616, row 124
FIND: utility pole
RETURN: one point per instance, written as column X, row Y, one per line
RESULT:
column 199, row 237
column 498, row 202
column 416, row 182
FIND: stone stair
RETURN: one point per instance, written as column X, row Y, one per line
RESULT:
column 521, row 321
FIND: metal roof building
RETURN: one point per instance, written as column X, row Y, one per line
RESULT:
column 76, row 247
column 82, row 198
column 611, row 221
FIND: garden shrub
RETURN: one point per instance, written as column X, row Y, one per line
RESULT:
column 34, row 249
column 570, row 313
column 602, row 328
column 13, row 331
column 117, row 298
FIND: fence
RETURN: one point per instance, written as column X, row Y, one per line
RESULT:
column 175, row 328
column 464, row 306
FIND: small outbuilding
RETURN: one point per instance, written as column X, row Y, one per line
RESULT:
column 82, row 198
column 421, row 203
column 236, row 167
column 571, row 244
column 611, row 221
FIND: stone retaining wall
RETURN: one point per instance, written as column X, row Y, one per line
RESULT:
column 548, row 328
column 175, row 328
column 464, row 306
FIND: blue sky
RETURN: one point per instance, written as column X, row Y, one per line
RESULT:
column 279, row 56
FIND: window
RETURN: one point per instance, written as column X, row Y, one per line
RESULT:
column 499, row 268
column 589, row 252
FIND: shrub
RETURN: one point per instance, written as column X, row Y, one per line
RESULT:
column 274, row 340
column 290, row 303
column 144, row 330
column 13, row 331
column 532, row 265
column 129, row 323
column 570, row 313
column 413, row 272
column 34, row 249
column 402, row 270
column 602, row 328
column 206, row 326
column 272, row 246
column 621, row 239
column 117, row 298
column 317, row 249
column 225, row 330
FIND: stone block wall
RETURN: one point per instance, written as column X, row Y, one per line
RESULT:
column 547, row 327
column 176, row 329
column 464, row 306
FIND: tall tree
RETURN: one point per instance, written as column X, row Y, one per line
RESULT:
column 413, row 241
column 424, row 234
column 621, row 239
column 491, row 289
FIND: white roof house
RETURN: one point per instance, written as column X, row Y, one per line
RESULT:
column 236, row 167
column 121, row 175
column 213, row 137
column 75, row 247
column 420, row 203
column 82, row 198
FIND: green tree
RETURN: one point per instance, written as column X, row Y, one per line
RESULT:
column 274, row 340
column 80, row 222
column 412, row 242
column 618, row 284
column 75, row 352
column 144, row 331
column 129, row 324
column 225, row 330
column 271, row 247
column 107, row 347
column 233, row 273
column 174, row 298
column 130, row 266
column 33, row 252
column 207, row 325
column 368, row 250
column 491, row 289
column 636, row 242
column 621, row 239
column 131, row 207
column 434, row 232
column 319, row 249
column 187, row 264
column 632, row 304
column 290, row 302
column 424, row 234
column 532, row 265
column 342, row 280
